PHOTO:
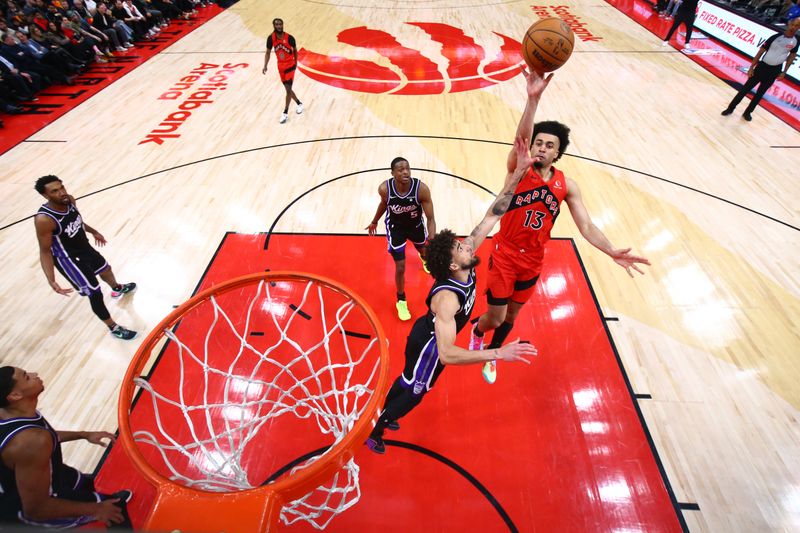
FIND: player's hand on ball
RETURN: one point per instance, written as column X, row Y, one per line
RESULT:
column 626, row 260
column 536, row 84
column 517, row 351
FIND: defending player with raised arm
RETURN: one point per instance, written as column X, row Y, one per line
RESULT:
column 404, row 200
column 431, row 343
column 516, row 260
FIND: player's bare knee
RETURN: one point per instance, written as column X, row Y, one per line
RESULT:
column 495, row 317
column 512, row 311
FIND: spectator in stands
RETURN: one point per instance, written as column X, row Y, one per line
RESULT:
column 74, row 44
column 55, row 58
column 167, row 8
column 765, row 9
column 25, row 60
column 4, row 29
column 24, row 84
column 133, row 19
column 40, row 38
column 152, row 17
column 80, row 7
column 104, row 21
column 52, row 10
column 32, row 6
column 793, row 12
column 7, row 99
column 91, row 5
column 99, row 40
column 14, row 16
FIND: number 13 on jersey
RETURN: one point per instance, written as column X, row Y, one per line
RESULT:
column 533, row 219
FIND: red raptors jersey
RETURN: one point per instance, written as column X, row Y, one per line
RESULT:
column 283, row 46
column 533, row 211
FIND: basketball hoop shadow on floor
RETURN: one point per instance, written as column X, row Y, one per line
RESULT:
column 555, row 446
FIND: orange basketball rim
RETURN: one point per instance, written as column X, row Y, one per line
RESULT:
column 182, row 508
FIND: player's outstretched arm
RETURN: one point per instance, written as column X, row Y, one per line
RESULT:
column 503, row 200
column 95, row 437
column 535, row 86
column 590, row 232
column 383, row 191
column 444, row 305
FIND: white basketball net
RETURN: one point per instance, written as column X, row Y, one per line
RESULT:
column 331, row 387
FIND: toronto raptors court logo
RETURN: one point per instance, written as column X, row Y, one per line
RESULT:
column 468, row 67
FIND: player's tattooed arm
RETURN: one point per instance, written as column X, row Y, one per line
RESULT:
column 523, row 163
column 503, row 200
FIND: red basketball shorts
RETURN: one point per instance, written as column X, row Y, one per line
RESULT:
column 512, row 275
column 286, row 71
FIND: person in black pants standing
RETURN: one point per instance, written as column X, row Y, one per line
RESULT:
column 686, row 14
column 772, row 61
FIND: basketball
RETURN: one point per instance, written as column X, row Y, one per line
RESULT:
column 547, row 44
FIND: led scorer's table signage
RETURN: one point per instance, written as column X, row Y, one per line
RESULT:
column 741, row 33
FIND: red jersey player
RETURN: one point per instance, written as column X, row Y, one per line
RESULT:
column 516, row 260
column 286, row 49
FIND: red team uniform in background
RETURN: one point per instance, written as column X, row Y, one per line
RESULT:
column 284, row 48
column 516, row 260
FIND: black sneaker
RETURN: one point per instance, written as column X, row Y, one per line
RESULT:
column 124, row 496
column 747, row 117
column 393, row 425
column 376, row 445
column 122, row 333
column 726, row 112
column 123, row 289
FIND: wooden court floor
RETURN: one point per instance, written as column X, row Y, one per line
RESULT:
column 708, row 337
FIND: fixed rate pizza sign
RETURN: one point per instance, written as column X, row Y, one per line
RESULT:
column 741, row 33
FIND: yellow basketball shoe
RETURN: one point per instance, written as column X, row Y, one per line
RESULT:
column 402, row 310
column 424, row 264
